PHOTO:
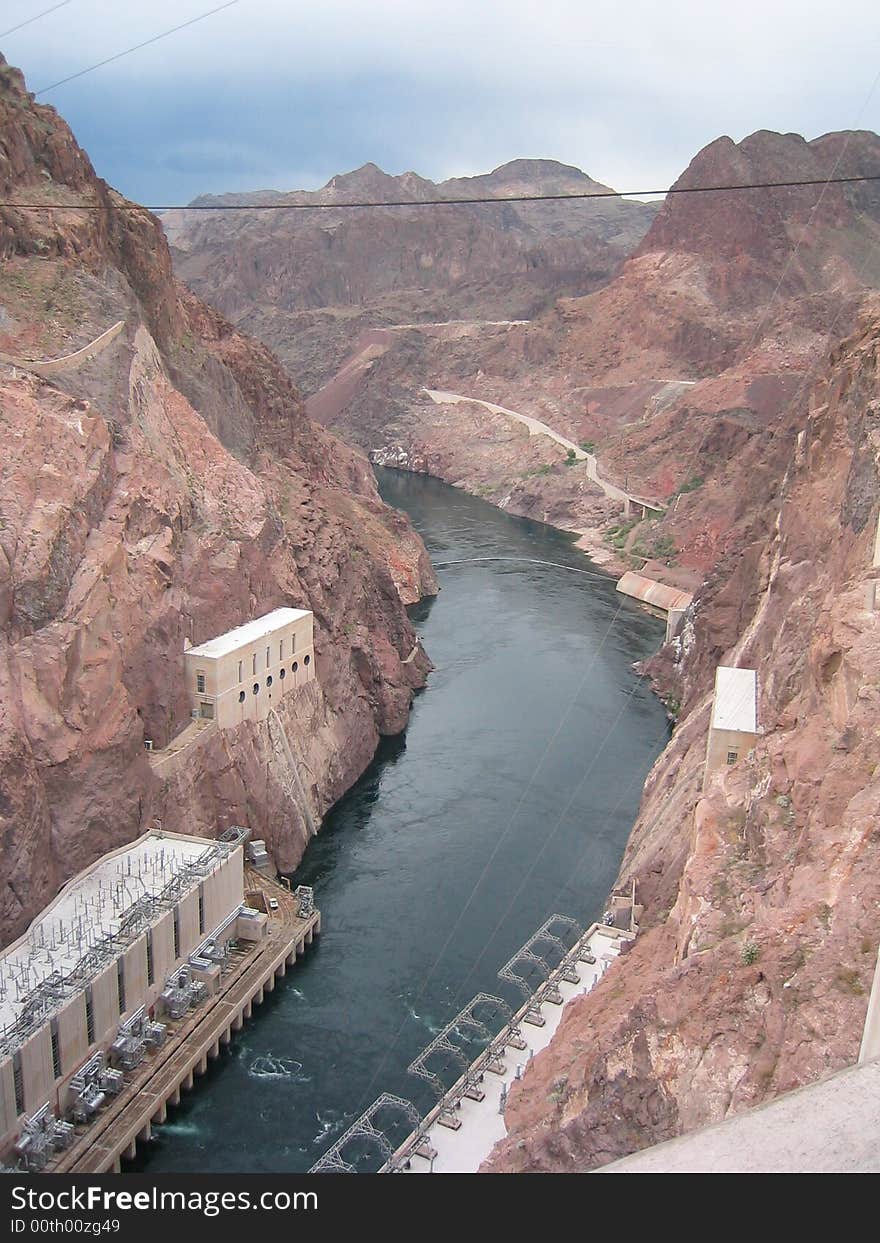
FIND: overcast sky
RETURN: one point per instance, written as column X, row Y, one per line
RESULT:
column 283, row 94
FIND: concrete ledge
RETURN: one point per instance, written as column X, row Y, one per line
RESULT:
column 66, row 362
column 832, row 1126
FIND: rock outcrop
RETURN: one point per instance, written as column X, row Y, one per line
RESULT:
column 762, row 891
column 164, row 490
column 307, row 282
column 677, row 369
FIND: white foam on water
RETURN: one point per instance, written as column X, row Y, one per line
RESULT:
column 268, row 1066
column 180, row 1128
column 428, row 1024
column 331, row 1123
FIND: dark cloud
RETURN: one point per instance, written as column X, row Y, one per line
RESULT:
column 274, row 95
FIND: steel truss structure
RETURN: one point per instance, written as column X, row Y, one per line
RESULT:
column 365, row 1127
column 418, row 1143
column 442, row 1043
column 527, row 953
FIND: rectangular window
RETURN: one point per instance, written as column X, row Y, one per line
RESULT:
column 201, row 908
column 200, row 683
column 176, row 932
column 240, row 670
column 254, row 663
column 267, row 658
column 120, row 983
column 151, row 974
column 732, row 757
column 90, row 1017
column 281, row 650
column 292, row 644
column 19, row 1083
column 56, row 1050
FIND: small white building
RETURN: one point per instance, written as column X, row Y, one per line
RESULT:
column 242, row 674
column 734, row 724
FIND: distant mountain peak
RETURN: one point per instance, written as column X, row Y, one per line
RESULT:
column 527, row 176
column 371, row 182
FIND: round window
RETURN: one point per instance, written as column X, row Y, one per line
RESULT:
column 241, row 697
column 283, row 673
column 307, row 660
column 269, row 680
column 294, row 667
column 256, row 688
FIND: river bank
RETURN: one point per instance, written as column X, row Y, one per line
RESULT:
column 509, row 796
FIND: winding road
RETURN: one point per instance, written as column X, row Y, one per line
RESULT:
column 537, row 428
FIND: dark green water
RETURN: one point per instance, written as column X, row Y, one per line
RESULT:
column 519, row 773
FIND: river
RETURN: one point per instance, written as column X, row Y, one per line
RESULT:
column 509, row 797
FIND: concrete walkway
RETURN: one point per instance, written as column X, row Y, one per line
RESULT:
column 537, row 428
column 166, row 760
column 461, row 323
column 832, row 1126
column 66, row 362
column 482, row 1124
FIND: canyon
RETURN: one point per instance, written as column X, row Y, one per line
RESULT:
column 158, row 491
column 307, row 280
column 673, row 369
column 727, row 370
column 717, row 355
column 751, row 974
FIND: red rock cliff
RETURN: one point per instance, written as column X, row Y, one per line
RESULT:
column 752, row 974
column 167, row 489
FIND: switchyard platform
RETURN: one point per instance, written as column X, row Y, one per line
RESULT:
column 196, row 1039
column 460, row 1131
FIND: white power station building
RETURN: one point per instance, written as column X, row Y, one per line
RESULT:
column 134, row 938
column 241, row 675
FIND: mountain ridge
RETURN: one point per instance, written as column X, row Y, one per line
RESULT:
column 159, row 493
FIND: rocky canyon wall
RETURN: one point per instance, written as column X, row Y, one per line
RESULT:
column 166, row 490
column 752, row 972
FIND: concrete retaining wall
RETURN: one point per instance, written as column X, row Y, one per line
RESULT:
column 66, row 362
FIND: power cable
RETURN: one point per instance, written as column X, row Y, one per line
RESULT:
column 579, row 196
column 136, row 48
column 31, row 20
column 549, row 837
column 557, row 565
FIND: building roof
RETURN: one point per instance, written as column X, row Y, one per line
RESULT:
column 250, row 632
column 650, row 591
column 112, row 898
column 736, row 700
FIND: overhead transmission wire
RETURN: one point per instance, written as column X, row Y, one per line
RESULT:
column 484, row 200
column 809, row 375
column 30, row 20
column 549, row 837
column 108, row 60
